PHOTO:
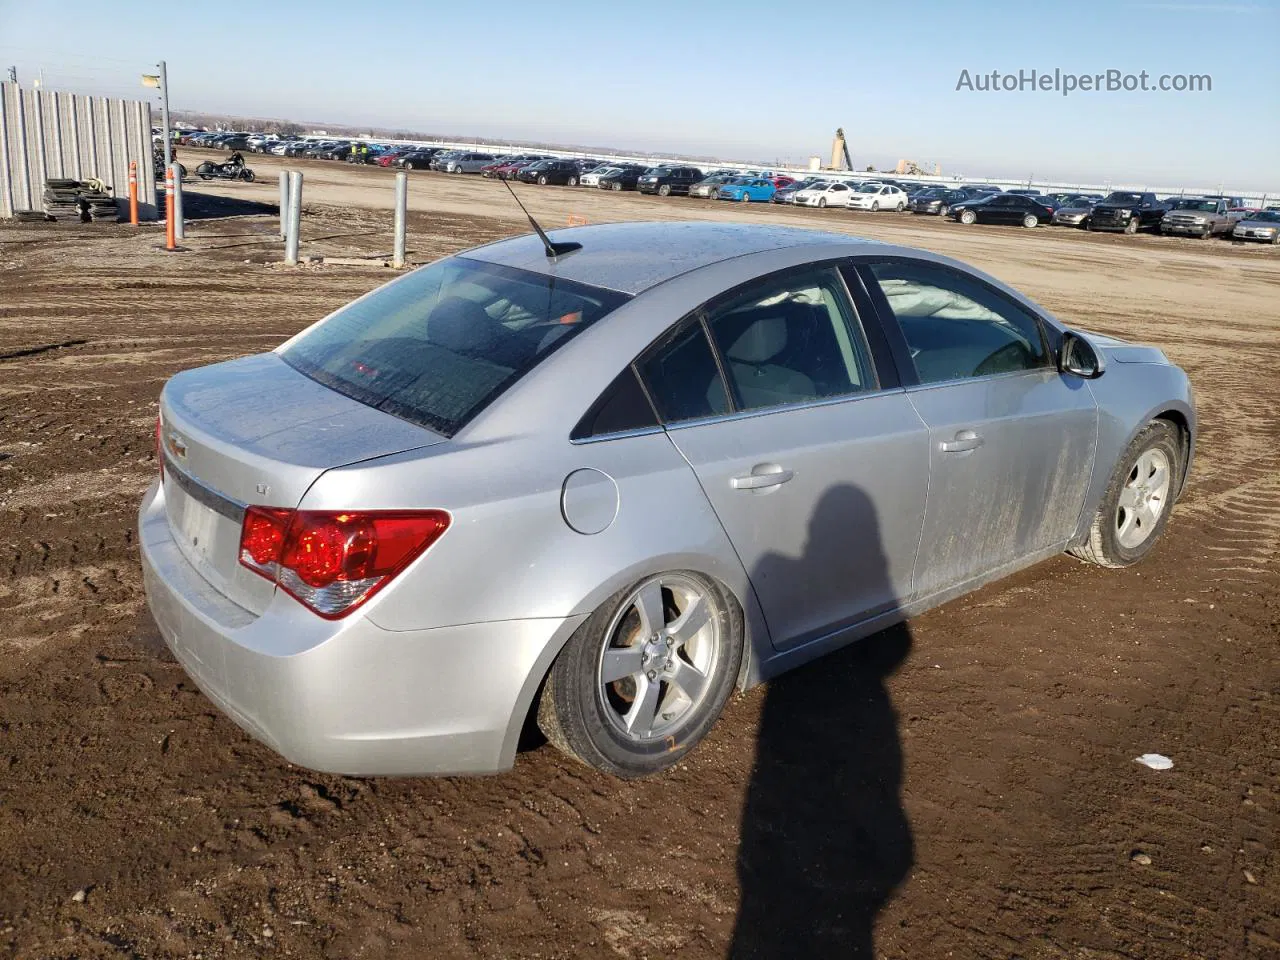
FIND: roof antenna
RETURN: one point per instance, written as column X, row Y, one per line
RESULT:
column 553, row 249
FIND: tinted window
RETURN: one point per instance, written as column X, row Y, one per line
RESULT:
column 956, row 326
column 791, row 339
column 438, row 345
column 682, row 376
column 622, row 406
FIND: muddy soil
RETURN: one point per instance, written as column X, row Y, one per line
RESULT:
column 963, row 787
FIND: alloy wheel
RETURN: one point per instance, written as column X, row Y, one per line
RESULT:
column 1143, row 498
column 661, row 650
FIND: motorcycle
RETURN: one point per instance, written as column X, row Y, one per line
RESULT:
column 233, row 169
column 157, row 164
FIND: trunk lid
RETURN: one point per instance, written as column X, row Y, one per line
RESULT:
column 254, row 431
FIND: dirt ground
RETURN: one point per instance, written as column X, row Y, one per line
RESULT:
column 964, row 787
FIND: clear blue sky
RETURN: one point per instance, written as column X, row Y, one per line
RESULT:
column 738, row 79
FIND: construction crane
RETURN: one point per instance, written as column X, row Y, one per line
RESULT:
column 840, row 152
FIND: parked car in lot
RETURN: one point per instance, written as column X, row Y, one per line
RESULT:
column 591, row 178
column 877, row 195
column 937, row 201
column 544, row 172
column 624, row 178
column 748, row 190
column 1006, row 208
column 1262, row 225
column 468, row 162
column 665, row 181
column 787, row 194
column 419, row 159
column 329, row 551
column 825, row 193
column 1198, row 217
column 1074, row 212
column 709, row 187
column 1127, row 211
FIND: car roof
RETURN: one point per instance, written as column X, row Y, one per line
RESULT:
column 632, row 257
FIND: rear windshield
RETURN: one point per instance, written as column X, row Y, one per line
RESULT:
column 437, row 346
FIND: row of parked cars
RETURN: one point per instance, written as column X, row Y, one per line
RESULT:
column 1119, row 211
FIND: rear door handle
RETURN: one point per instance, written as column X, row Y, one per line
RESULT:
column 965, row 440
column 761, row 476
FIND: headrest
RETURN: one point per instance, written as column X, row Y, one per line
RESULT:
column 763, row 340
column 459, row 324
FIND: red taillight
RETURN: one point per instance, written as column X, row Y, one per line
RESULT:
column 333, row 562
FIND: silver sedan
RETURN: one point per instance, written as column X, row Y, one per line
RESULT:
column 604, row 487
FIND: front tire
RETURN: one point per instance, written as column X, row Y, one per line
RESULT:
column 645, row 677
column 1136, row 506
column 1132, row 226
column 968, row 217
column 248, row 176
column 822, row 203
column 664, row 190
column 875, row 206
column 542, row 179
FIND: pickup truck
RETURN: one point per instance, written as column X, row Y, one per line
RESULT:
column 1127, row 211
column 1199, row 217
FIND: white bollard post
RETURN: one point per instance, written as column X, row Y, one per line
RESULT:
column 178, row 232
column 402, row 207
column 284, row 204
column 295, row 217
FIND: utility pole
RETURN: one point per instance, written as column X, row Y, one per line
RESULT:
column 164, row 115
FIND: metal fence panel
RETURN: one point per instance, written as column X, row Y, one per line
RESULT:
column 49, row 133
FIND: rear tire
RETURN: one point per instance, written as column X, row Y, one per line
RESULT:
column 617, row 186
column 571, row 182
column 1115, row 539
column 1030, row 221
column 618, row 727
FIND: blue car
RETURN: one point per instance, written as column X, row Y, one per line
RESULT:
column 748, row 189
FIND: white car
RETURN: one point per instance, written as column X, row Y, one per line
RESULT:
column 824, row 194
column 592, row 177
column 877, row 196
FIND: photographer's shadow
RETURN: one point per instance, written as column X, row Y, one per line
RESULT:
column 825, row 840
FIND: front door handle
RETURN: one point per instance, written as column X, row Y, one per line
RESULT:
column 761, row 476
column 965, row 441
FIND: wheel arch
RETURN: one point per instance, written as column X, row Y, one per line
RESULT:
column 756, row 639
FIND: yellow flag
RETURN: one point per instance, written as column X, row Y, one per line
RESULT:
column 149, row 80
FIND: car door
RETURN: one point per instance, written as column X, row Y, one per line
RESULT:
column 811, row 455
column 1011, row 438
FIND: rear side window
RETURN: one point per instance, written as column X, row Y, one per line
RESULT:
column 682, row 376
column 437, row 346
column 623, row 406
column 791, row 339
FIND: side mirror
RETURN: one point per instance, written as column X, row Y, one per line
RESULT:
column 1079, row 357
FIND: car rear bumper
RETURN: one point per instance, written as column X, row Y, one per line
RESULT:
column 348, row 696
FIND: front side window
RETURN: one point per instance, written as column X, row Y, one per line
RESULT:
column 437, row 346
column 957, row 327
column 791, row 339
